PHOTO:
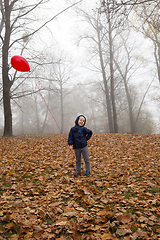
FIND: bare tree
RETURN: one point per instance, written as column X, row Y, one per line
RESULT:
column 61, row 74
column 98, row 39
column 17, row 17
column 148, row 17
column 111, row 43
column 111, row 22
column 107, row 92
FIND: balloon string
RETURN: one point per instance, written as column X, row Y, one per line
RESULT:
column 50, row 112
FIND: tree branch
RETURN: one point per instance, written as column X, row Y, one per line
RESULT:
column 46, row 23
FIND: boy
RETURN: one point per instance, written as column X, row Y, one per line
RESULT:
column 77, row 140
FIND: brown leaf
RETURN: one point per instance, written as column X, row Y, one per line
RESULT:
column 139, row 233
column 38, row 228
column 158, row 230
column 122, row 231
column 125, row 218
column 10, row 226
column 143, row 219
column 69, row 214
column 37, row 235
column 14, row 237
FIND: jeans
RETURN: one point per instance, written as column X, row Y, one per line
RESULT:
column 84, row 152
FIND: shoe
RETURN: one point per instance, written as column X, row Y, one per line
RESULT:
column 87, row 173
column 76, row 173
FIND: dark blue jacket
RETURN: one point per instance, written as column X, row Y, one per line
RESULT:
column 76, row 139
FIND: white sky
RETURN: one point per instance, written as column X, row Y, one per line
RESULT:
column 65, row 27
column 64, row 30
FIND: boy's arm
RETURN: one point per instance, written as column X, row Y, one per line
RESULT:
column 70, row 138
column 89, row 134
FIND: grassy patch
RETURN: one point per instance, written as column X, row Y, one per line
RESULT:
column 132, row 210
column 134, row 228
column 154, row 190
column 48, row 221
column 129, row 194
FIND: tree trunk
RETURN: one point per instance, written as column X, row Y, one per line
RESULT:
column 6, row 81
column 158, row 61
column 132, row 124
column 94, row 121
column 157, row 58
column 129, row 100
column 112, row 75
column 7, row 108
column 46, row 114
column 109, row 111
column 37, row 116
column 62, row 112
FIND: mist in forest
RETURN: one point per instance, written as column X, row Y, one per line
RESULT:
column 89, row 60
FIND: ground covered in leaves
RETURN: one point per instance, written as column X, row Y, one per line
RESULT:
column 41, row 199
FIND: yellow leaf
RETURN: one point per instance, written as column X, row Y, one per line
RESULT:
column 29, row 234
column 106, row 236
column 1, row 213
column 107, row 184
column 79, row 181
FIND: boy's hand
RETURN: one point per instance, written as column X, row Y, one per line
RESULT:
column 70, row 147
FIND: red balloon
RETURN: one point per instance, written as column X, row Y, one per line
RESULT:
column 20, row 63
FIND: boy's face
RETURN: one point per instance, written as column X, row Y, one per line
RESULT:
column 81, row 121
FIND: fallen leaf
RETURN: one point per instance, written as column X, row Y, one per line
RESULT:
column 125, row 218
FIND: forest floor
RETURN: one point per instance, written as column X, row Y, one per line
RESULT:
column 41, row 199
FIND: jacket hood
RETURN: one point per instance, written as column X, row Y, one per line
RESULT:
column 76, row 121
